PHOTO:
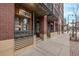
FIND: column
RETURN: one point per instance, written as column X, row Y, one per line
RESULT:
column 34, row 35
column 62, row 26
column 7, row 12
column 54, row 26
column 43, row 27
column 59, row 25
column 59, row 28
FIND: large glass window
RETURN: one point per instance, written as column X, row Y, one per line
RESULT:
column 25, row 24
column 22, row 27
column 52, row 27
column 17, row 24
column 22, row 23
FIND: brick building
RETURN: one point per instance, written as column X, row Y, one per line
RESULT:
column 22, row 24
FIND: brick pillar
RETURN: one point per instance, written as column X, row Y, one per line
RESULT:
column 43, row 27
column 59, row 28
column 6, row 29
column 59, row 25
column 62, row 27
column 54, row 26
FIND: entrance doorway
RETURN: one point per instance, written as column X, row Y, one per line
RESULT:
column 37, row 29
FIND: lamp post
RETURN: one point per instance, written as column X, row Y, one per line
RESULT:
column 68, row 20
column 68, row 24
column 74, row 32
column 76, row 28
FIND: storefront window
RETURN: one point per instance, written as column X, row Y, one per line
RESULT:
column 17, row 24
column 25, row 23
column 52, row 28
column 22, row 28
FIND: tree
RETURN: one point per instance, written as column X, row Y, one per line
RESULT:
column 75, row 8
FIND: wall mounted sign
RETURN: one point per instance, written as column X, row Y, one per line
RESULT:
column 24, row 13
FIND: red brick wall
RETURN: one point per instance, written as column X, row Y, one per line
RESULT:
column 43, row 24
column 6, row 21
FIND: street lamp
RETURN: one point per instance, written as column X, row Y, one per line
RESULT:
column 74, row 28
column 68, row 24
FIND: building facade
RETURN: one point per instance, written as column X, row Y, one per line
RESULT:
column 22, row 24
column 58, row 19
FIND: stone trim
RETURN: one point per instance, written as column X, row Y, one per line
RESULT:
column 7, row 47
column 43, row 36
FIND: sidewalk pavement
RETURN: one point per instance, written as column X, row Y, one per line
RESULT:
column 59, row 45
column 74, row 48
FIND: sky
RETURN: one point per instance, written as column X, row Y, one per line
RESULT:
column 68, row 11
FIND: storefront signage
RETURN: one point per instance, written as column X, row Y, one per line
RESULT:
column 24, row 13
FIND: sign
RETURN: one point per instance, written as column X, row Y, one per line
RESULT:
column 24, row 13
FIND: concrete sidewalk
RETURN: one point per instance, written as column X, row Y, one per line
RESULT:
column 57, row 46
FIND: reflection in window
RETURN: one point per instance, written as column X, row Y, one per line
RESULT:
column 25, row 24
column 25, row 21
column 21, row 24
column 17, row 24
column 22, row 28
